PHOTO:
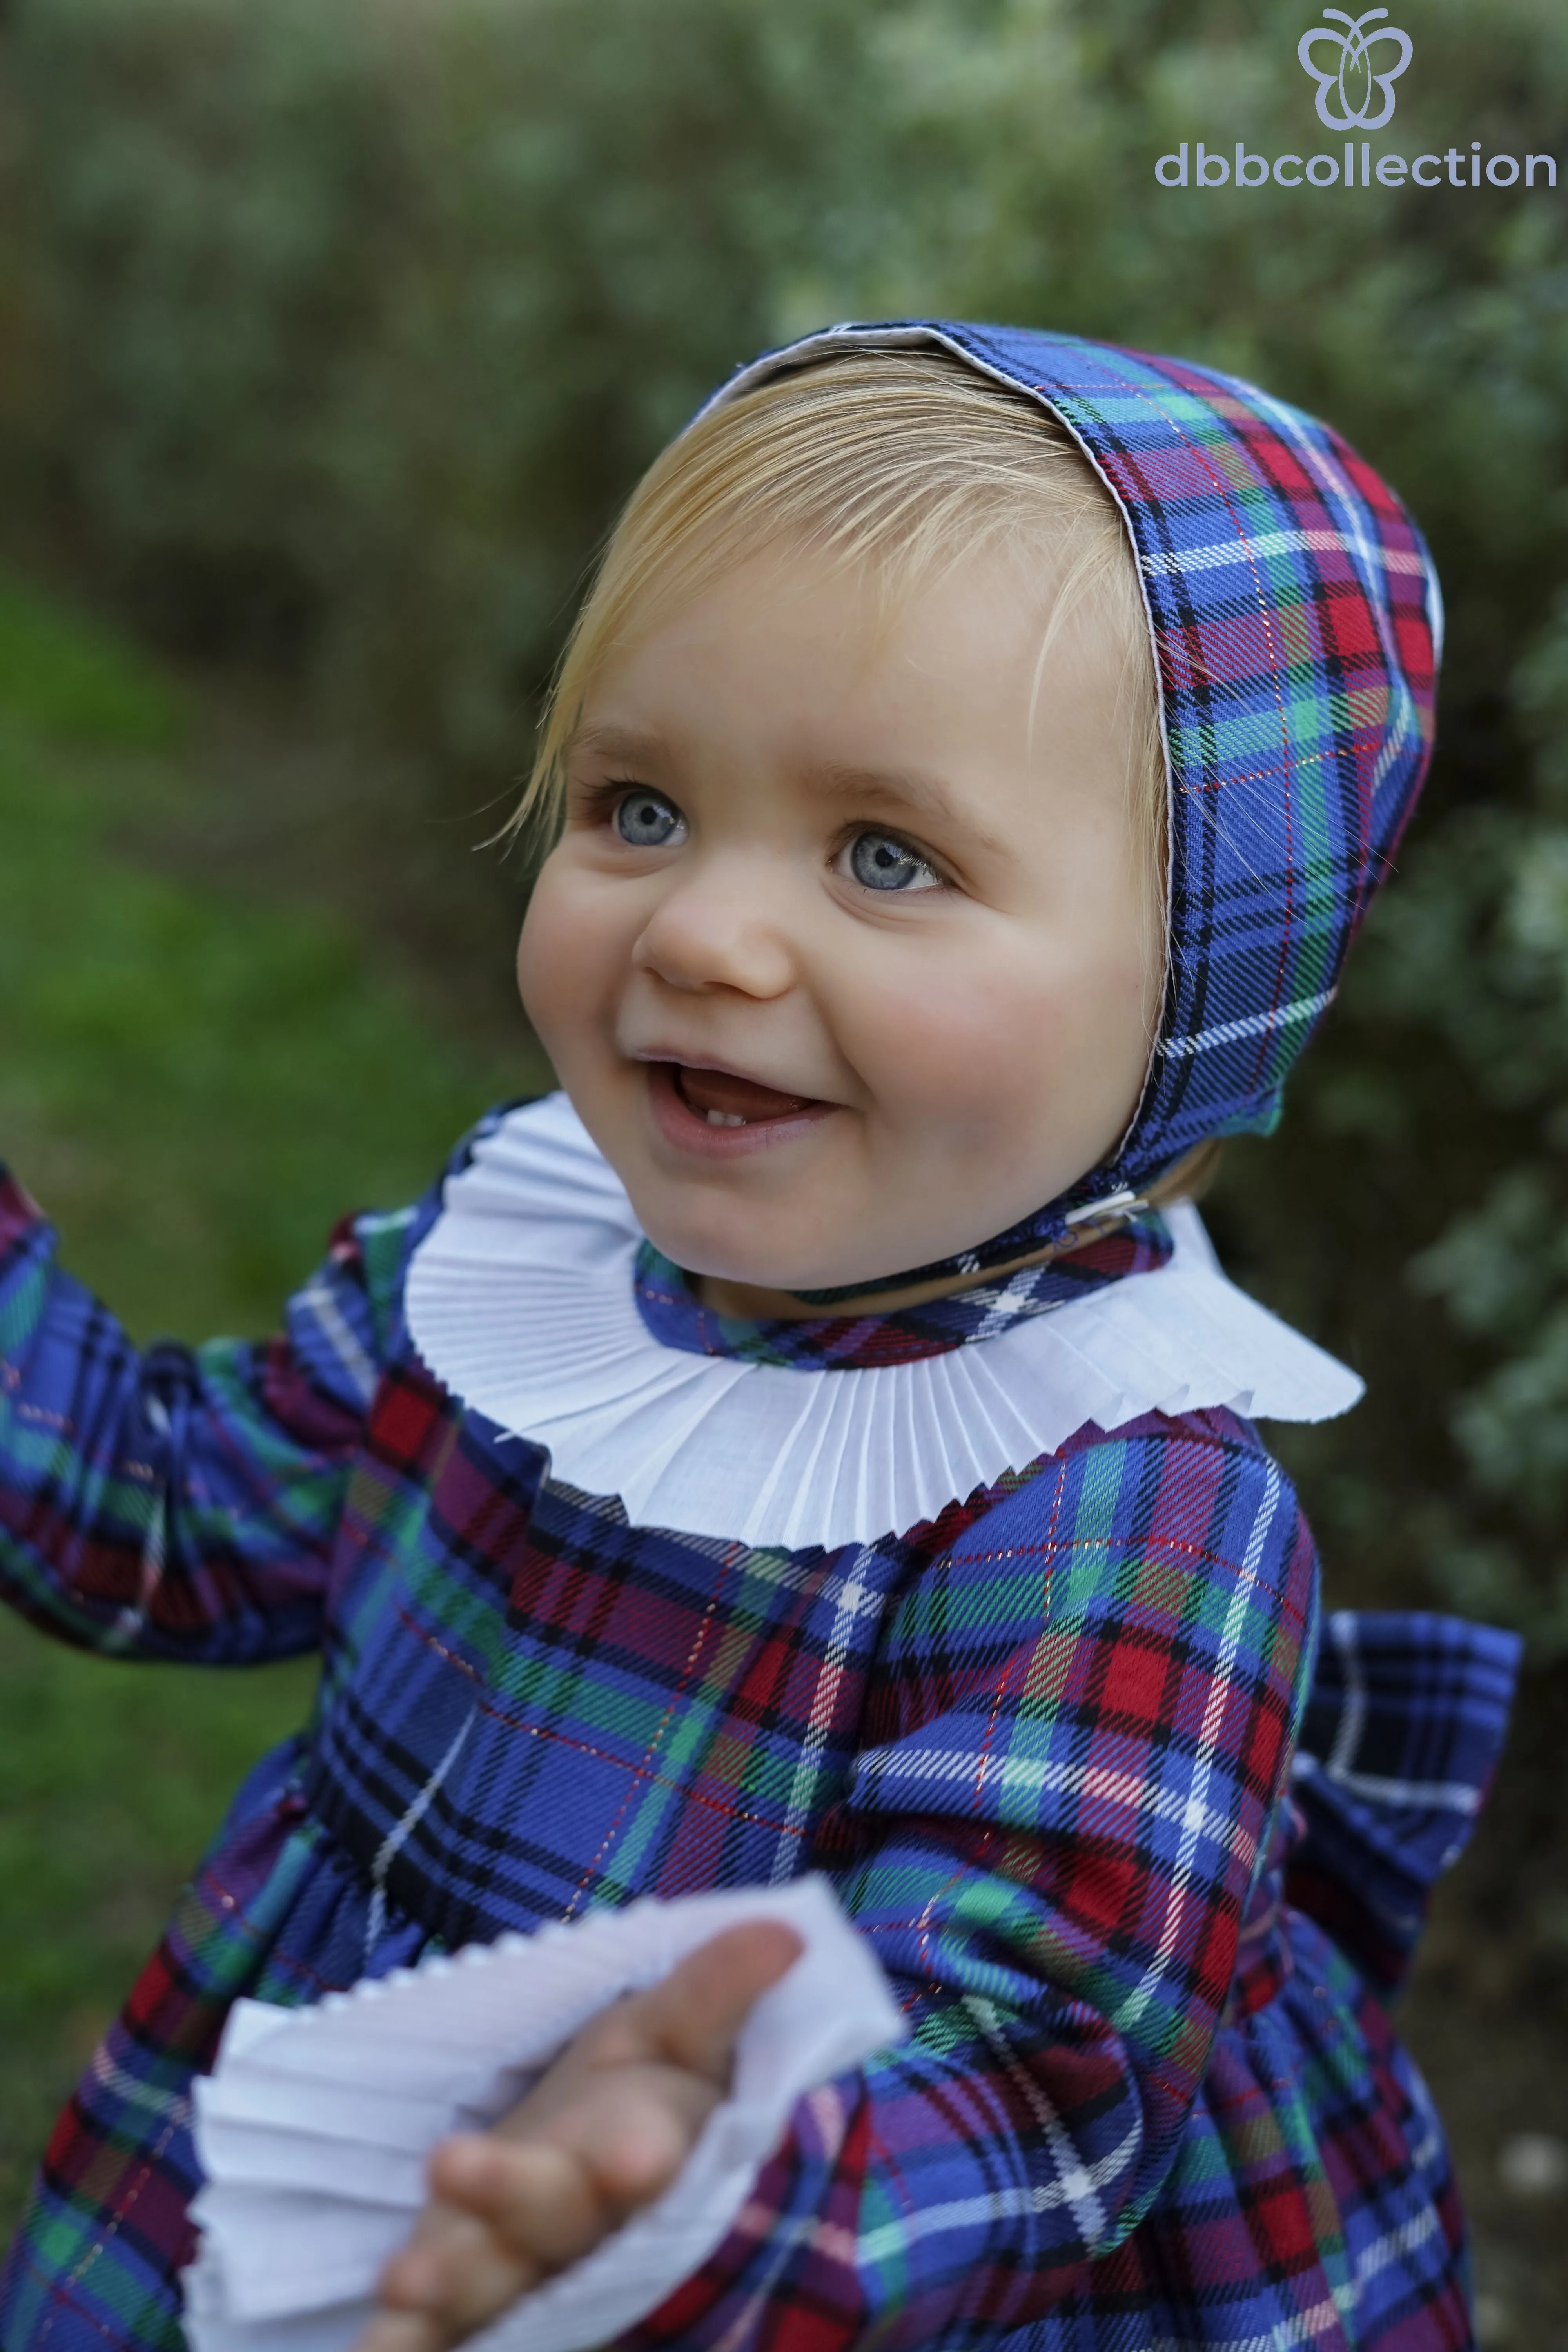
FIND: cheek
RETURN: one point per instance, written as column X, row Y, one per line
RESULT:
column 996, row 1039
column 566, row 958
column 944, row 1038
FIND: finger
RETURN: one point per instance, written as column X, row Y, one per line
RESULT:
column 536, row 2197
column 452, row 2290
column 631, row 2128
column 693, row 2017
column 402, row 2331
column 452, row 2273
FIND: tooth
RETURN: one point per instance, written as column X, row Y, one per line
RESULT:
column 723, row 1119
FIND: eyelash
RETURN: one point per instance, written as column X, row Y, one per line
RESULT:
column 600, row 799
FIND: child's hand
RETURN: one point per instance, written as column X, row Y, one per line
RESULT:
column 605, row 2130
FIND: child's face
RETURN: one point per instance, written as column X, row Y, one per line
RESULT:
column 820, row 880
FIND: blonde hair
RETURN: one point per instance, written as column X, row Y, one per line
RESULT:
column 899, row 462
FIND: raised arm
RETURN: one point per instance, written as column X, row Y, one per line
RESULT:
column 179, row 1502
column 1085, row 1723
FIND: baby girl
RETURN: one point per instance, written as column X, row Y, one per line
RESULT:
column 820, row 1438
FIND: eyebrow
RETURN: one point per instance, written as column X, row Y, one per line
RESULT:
column 616, row 742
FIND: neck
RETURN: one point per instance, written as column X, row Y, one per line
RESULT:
column 755, row 1303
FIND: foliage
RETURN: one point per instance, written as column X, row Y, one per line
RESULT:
column 219, row 1075
column 363, row 318
column 342, row 330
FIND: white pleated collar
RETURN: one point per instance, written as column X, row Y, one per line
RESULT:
column 520, row 1301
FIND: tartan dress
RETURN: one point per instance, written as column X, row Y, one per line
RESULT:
column 1043, row 1746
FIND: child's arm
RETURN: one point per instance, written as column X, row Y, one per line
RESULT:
column 176, row 1503
column 1086, row 1719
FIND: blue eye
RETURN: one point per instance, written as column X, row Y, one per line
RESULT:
column 880, row 861
column 648, row 821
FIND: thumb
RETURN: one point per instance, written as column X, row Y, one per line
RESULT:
column 691, row 2019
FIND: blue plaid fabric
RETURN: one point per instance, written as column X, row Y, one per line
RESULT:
column 1399, row 1728
column 1044, row 1747
column 1296, row 623
column 678, row 1318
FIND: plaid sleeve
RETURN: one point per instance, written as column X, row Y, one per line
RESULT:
column 1086, row 1717
column 179, row 1502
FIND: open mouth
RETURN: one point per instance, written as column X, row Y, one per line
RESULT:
column 716, row 1115
column 720, row 1099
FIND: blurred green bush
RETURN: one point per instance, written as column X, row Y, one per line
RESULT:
column 334, row 335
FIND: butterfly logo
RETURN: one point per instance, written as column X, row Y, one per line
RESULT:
column 1352, row 78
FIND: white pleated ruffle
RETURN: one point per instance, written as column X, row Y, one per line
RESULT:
column 314, row 2127
column 520, row 1300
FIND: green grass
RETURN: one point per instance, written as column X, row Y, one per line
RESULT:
column 196, row 1079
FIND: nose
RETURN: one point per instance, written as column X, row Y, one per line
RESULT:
column 724, row 925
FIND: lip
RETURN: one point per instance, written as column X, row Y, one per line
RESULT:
column 680, row 1125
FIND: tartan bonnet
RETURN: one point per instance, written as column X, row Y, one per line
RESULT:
column 1296, row 622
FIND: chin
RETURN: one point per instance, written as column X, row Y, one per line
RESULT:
column 793, row 1269
column 698, row 1243
column 704, row 1253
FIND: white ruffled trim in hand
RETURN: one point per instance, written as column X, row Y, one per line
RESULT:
column 314, row 2127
